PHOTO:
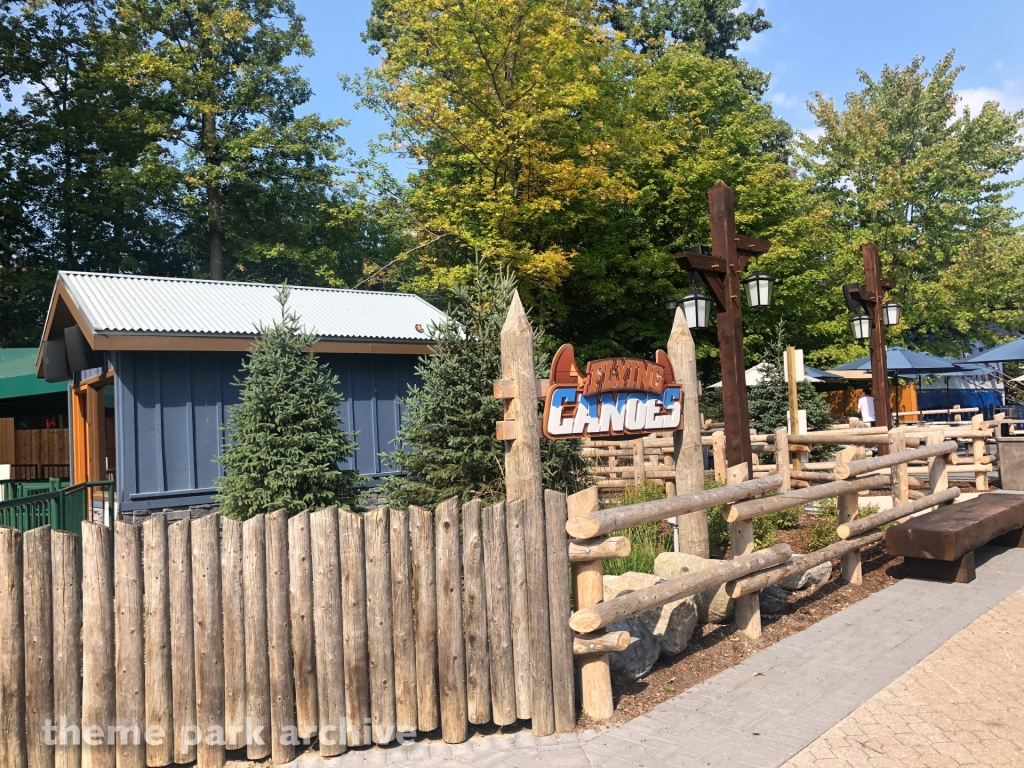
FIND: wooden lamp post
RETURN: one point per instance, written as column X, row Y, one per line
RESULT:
column 720, row 270
column 871, row 296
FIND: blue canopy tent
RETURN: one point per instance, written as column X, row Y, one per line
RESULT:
column 1011, row 351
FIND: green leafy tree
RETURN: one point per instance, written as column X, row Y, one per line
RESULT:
column 284, row 440
column 446, row 444
column 907, row 166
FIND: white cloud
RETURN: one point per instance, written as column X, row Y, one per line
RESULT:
column 780, row 99
column 1010, row 97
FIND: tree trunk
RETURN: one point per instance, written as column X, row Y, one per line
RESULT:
column 214, row 200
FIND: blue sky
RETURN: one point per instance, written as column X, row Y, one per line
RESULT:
column 814, row 45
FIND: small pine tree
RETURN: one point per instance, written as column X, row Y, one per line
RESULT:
column 447, row 445
column 284, row 440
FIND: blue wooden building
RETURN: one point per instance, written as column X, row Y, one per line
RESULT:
column 150, row 364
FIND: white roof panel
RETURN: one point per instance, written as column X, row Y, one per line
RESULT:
column 140, row 305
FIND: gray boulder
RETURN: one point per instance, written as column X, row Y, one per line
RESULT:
column 636, row 661
column 773, row 599
column 671, row 624
column 812, row 577
column 714, row 606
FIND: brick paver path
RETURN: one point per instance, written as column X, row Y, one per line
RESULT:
column 963, row 705
column 764, row 711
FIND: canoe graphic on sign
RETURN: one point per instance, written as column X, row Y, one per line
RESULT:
column 616, row 396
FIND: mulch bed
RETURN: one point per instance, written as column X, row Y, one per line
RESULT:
column 716, row 647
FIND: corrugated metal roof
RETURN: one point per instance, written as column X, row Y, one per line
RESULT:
column 140, row 305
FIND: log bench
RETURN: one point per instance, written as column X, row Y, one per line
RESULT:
column 940, row 544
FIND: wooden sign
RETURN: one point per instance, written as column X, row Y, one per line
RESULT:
column 617, row 396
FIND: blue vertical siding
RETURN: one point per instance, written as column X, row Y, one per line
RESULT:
column 172, row 406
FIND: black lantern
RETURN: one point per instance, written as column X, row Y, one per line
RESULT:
column 759, row 288
column 697, row 309
column 860, row 326
column 891, row 314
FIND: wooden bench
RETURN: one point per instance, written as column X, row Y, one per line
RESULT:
column 940, row 544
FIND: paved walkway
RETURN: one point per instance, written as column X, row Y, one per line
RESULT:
column 766, row 710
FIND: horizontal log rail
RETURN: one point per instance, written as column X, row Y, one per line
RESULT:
column 950, row 433
column 642, row 600
column 606, row 548
column 862, row 524
column 860, row 466
column 748, row 510
column 839, row 438
column 619, row 518
column 598, row 642
column 956, row 460
column 959, row 468
column 767, row 578
column 812, row 477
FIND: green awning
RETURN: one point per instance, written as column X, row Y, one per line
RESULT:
column 18, row 375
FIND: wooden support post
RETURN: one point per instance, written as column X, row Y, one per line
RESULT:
column 639, row 467
column 588, row 587
column 67, row 646
column 499, row 616
column 515, row 514
column 938, row 470
column 300, row 607
column 257, row 659
column 794, row 401
column 98, row 703
column 402, row 619
column 978, row 453
column 38, row 599
column 424, row 577
column 13, row 741
column 782, row 459
column 232, row 568
column 451, row 647
column 900, row 476
column 687, row 453
column 563, row 684
column 379, row 625
column 328, row 632
column 848, row 511
column 478, row 674
column 524, row 480
column 129, row 645
column 159, row 699
column 718, row 455
column 209, row 638
column 353, row 595
column 741, row 538
column 282, row 677
column 183, row 669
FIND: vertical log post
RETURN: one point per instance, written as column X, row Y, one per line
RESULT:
column 687, row 453
column 282, row 677
column 563, row 682
column 718, row 455
column 848, row 511
column 741, row 538
column 588, row 587
column 938, row 468
column 327, row 627
column 257, row 659
column 451, row 648
column 232, row 578
column 900, row 475
column 159, row 697
column 300, row 605
column 98, row 710
column 129, row 644
column 423, row 574
column 478, row 673
column 67, row 648
column 183, row 670
column 515, row 514
column 353, row 596
column 782, row 459
column 207, row 602
column 402, row 617
column 639, row 467
column 978, row 454
column 499, row 616
column 379, row 625
column 13, row 742
column 794, row 400
column 38, row 605
column 524, row 480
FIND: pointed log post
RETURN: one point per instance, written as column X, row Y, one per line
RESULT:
column 524, row 481
column 687, row 453
column 741, row 538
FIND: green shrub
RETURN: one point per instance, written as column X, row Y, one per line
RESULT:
column 823, row 532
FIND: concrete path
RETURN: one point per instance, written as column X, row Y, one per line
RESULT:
column 764, row 711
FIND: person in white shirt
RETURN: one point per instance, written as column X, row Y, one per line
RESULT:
column 866, row 407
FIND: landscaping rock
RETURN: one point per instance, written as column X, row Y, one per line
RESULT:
column 773, row 599
column 812, row 577
column 714, row 606
column 636, row 661
column 671, row 624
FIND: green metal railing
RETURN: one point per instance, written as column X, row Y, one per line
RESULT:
column 63, row 509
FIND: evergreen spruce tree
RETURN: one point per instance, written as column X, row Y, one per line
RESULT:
column 447, row 445
column 284, row 440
